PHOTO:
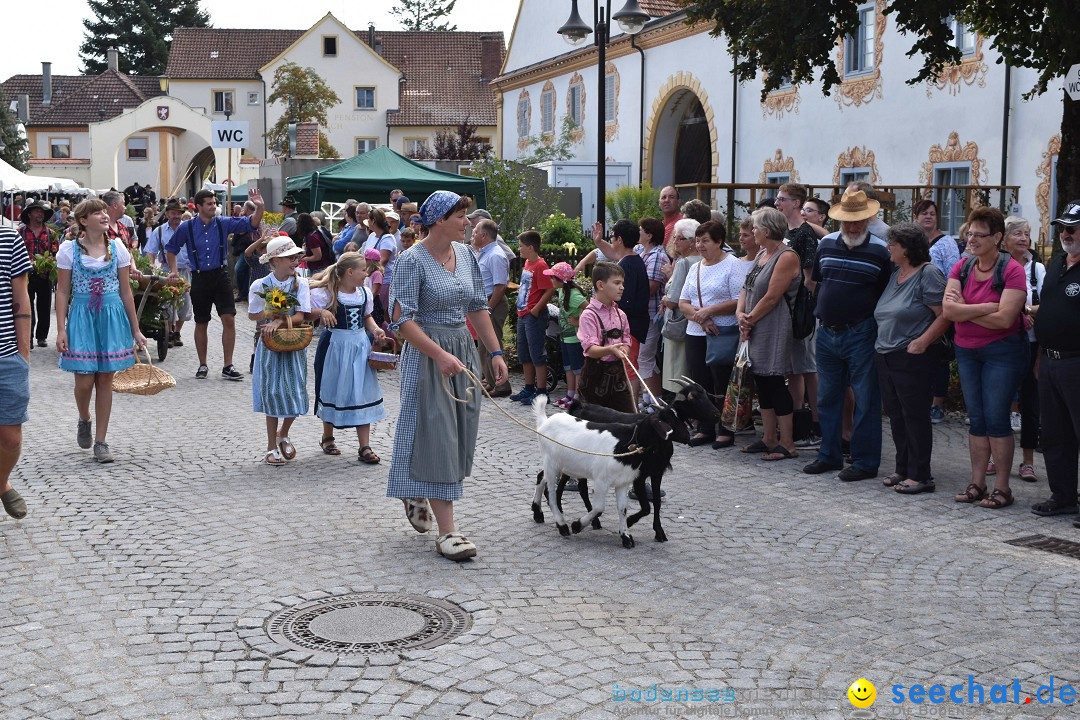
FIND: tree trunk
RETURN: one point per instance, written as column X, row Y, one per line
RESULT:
column 1068, row 165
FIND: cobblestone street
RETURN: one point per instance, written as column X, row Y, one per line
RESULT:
column 143, row 589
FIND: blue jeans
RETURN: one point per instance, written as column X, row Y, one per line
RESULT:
column 243, row 277
column 845, row 358
column 989, row 377
column 530, row 338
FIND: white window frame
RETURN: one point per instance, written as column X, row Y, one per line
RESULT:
column 228, row 100
column 356, row 97
column 951, row 208
column 610, row 99
column 547, row 112
column 849, row 175
column 859, row 47
column 127, row 148
column 577, row 109
column 775, row 178
column 414, row 141
column 524, row 108
column 372, row 141
column 963, row 36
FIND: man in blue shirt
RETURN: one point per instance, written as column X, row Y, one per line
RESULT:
column 495, row 271
column 206, row 238
column 851, row 270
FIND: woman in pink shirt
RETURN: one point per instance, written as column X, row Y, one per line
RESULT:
column 604, row 332
column 984, row 297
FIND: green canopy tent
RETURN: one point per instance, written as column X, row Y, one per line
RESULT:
column 371, row 176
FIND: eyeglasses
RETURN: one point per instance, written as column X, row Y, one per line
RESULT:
column 977, row 236
column 781, row 198
column 1070, row 229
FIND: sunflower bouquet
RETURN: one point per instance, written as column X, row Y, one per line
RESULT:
column 174, row 294
column 45, row 265
column 278, row 302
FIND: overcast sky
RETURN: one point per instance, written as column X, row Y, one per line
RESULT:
column 57, row 37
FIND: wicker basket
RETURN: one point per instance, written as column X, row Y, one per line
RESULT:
column 385, row 360
column 142, row 378
column 289, row 338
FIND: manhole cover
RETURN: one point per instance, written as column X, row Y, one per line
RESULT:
column 1056, row 545
column 367, row 623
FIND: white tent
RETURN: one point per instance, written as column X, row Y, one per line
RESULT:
column 12, row 180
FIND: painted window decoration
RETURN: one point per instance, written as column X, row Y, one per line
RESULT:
column 60, row 148
column 138, row 148
column 547, row 109
column 524, row 110
column 365, row 98
column 364, row 145
column 951, row 202
column 223, row 101
column 859, row 56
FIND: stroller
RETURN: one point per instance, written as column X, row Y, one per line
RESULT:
column 553, row 346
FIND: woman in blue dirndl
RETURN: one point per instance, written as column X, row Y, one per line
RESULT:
column 347, row 392
column 437, row 284
column 96, row 325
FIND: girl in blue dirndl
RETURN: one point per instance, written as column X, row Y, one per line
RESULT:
column 347, row 392
column 279, row 380
column 97, row 328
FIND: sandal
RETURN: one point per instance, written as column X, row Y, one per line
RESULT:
column 915, row 487
column 273, row 457
column 756, row 447
column 998, row 499
column 286, row 447
column 973, row 493
column 368, row 456
column 418, row 513
column 455, row 546
column 780, row 450
column 893, row 480
column 328, row 446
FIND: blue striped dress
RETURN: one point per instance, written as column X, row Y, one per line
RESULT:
column 279, row 382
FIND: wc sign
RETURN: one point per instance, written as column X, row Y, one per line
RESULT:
column 229, row 133
column 1072, row 82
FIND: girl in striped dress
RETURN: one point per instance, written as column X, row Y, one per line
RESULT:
column 437, row 284
column 279, row 381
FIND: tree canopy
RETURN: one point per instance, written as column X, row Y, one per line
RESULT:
column 142, row 30
column 795, row 42
column 460, row 144
column 307, row 98
column 424, row 14
column 15, row 152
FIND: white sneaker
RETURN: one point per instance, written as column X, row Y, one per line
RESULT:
column 1014, row 420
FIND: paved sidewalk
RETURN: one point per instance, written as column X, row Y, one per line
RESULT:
column 140, row 589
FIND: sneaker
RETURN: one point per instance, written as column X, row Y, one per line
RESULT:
column 524, row 395
column 810, row 442
column 1027, row 473
column 42, row 343
column 991, row 469
column 86, row 441
column 230, row 373
column 937, row 414
column 201, row 373
column 101, row 453
column 1014, row 420
column 564, row 402
column 176, row 341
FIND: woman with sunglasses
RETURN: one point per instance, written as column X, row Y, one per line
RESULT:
column 984, row 296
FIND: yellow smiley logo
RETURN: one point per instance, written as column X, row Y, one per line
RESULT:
column 862, row 693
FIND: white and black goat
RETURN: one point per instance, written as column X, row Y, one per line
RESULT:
column 692, row 402
column 648, row 435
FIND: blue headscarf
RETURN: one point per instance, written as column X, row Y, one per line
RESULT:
column 437, row 205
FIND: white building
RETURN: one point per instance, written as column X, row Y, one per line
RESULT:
column 674, row 112
column 396, row 88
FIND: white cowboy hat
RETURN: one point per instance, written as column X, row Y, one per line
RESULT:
column 280, row 247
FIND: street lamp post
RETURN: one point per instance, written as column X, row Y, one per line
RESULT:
column 631, row 20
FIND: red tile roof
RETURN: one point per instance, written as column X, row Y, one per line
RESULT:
column 447, row 74
column 80, row 99
column 660, row 8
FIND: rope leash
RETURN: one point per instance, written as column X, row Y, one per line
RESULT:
column 475, row 382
